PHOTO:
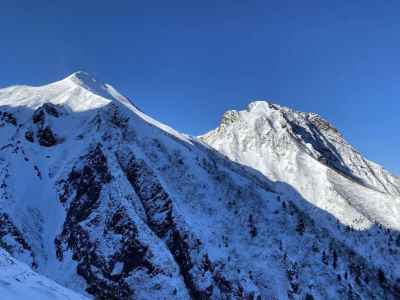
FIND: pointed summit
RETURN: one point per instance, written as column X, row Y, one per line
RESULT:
column 83, row 76
column 277, row 135
column 85, row 80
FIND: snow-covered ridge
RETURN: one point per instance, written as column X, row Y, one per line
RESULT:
column 78, row 92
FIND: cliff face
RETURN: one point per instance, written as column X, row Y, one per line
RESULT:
column 114, row 205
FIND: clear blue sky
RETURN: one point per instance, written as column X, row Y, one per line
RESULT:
column 186, row 62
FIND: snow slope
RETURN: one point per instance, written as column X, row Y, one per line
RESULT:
column 104, row 200
column 19, row 282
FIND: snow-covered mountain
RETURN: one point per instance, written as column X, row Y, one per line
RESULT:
column 108, row 202
column 307, row 152
column 264, row 126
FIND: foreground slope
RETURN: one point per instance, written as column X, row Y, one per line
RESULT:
column 103, row 199
column 19, row 282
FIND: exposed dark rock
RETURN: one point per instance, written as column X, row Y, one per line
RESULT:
column 46, row 137
column 86, row 183
column 10, row 118
column 39, row 114
column 29, row 136
column 51, row 109
column 82, row 190
column 117, row 118
column 252, row 227
column 21, row 245
column 133, row 254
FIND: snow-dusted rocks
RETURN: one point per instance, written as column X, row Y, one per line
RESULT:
column 114, row 205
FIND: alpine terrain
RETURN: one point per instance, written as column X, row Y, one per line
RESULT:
column 100, row 201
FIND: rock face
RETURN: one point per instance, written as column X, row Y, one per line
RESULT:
column 119, row 206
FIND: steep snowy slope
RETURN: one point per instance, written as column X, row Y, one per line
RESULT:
column 263, row 126
column 19, row 282
column 104, row 200
column 308, row 153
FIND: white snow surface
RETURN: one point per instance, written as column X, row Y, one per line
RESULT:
column 19, row 282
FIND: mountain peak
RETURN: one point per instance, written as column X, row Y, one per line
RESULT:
column 85, row 80
column 264, row 128
column 82, row 77
column 262, row 104
column 79, row 91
